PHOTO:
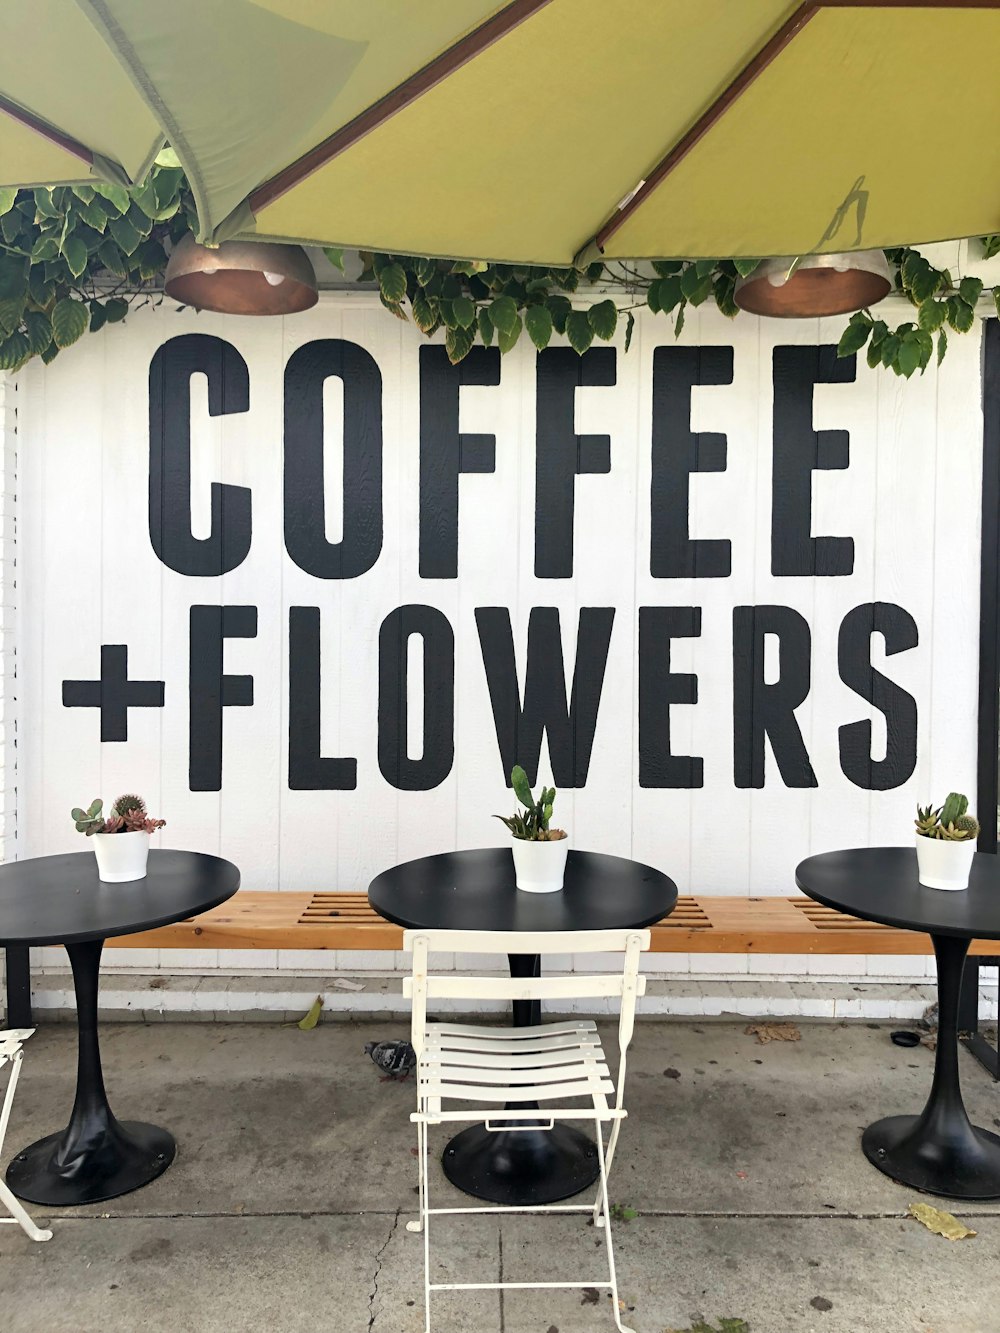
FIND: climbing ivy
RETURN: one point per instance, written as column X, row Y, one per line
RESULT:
column 75, row 258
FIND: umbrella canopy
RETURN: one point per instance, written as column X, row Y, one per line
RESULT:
column 538, row 131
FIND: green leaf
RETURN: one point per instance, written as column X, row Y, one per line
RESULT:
column 506, row 338
column 854, row 337
column 116, row 309
column 458, row 343
column 744, row 267
column 629, row 328
column 604, row 319
column 335, row 255
column 942, row 345
column 426, row 270
column 538, row 322
column 695, row 286
column 485, row 326
column 11, row 225
column 931, row 315
column 113, row 259
column 724, row 291
column 889, row 347
column 663, row 268
column 75, row 253
column 69, row 321
column 11, row 310
column 50, row 353
column 579, row 331
column 908, row 356
column 925, row 283
column 308, row 1021
column 424, row 313
column 14, row 350
column 45, row 247
column 126, row 236
column 7, row 197
column 969, row 290
column 392, row 283
column 393, row 307
column 991, row 246
column 98, row 316
column 114, row 194
column 679, row 321
column 503, row 313
column 464, row 311
column 139, row 220
column 559, row 307
column 152, row 259
column 704, row 266
column 13, row 275
column 668, row 294
column 874, row 354
column 961, row 316
column 38, row 330
column 45, row 205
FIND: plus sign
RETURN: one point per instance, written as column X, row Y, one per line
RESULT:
column 114, row 694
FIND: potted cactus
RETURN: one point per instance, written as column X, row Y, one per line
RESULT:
column 946, row 843
column 121, row 841
column 539, row 851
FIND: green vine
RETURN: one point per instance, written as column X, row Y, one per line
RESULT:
column 75, row 258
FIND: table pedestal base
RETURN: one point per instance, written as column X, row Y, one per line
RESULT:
column 940, row 1151
column 62, row 1173
column 96, row 1156
column 521, row 1167
column 963, row 1164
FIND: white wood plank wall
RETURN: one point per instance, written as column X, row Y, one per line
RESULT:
column 89, row 576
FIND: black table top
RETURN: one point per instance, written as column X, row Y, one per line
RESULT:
column 476, row 890
column 880, row 884
column 60, row 900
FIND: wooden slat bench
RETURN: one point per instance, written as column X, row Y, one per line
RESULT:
column 700, row 924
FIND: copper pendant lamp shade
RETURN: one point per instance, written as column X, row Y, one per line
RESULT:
column 241, row 278
column 821, row 285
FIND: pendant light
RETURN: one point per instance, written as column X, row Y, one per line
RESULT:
column 821, row 285
column 241, row 277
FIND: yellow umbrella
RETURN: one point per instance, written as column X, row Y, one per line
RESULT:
column 537, row 131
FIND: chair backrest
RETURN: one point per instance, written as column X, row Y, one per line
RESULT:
column 626, row 985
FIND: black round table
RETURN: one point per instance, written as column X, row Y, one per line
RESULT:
column 60, row 900
column 939, row 1151
column 475, row 890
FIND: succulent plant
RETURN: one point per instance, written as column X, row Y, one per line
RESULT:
column 129, row 804
column 950, row 823
column 127, row 815
column 533, row 824
column 88, row 821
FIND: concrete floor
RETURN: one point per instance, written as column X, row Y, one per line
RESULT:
column 285, row 1209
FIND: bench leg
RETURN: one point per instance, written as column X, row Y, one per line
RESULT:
column 968, row 1016
column 18, row 986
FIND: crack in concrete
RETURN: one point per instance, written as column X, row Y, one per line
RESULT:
column 372, row 1312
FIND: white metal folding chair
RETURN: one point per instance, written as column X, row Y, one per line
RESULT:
column 12, row 1055
column 565, row 1062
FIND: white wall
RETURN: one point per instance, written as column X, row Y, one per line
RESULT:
column 909, row 499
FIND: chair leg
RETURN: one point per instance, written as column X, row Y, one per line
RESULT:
column 426, row 1223
column 16, row 1210
column 418, row 1225
column 609, row 1158
column 623, row 1328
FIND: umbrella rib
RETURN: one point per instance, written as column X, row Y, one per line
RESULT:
column 431, row 74
column 47, row 131
column 789, row 30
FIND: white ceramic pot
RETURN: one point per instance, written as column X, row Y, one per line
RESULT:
column 944, row 865
column 539, row 866
column 121, row 856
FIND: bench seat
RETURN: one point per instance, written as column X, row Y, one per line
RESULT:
column 699, row 924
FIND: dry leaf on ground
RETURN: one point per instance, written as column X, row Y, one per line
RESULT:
column 766, row 1032
column 309, row 1020
column 938, row 1221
